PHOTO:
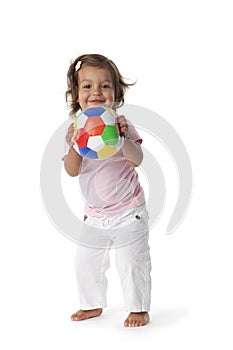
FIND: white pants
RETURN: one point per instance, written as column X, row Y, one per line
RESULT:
column 132, row 261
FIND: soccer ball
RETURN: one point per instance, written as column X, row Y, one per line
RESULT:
column 96, row 133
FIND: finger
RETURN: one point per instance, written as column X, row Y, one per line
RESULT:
column 123, row 125
column 71, row 130
column 121, row 119
column 72, row 127
column 124, row 132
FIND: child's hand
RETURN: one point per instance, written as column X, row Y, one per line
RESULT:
column 123, row 126
column 70, row 135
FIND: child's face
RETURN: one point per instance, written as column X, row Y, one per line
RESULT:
column 95, row 87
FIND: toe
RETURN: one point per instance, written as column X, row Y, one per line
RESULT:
column 132, row 323
column 74, row 318
column 128, row 322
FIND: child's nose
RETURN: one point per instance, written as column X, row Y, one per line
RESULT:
column 96, row 91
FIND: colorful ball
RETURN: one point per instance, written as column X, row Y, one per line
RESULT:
column 96, row 133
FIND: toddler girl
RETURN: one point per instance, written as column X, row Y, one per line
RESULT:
column 114, row 198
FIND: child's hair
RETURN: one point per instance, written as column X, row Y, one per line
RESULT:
column 99, row 61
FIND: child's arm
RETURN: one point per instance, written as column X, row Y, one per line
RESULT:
column 132, row 152
column 72, row 161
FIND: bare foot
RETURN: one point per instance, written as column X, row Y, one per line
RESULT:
column 85, row 314
column 136, row 319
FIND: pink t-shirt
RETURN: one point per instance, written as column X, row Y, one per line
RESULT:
column 110, row 186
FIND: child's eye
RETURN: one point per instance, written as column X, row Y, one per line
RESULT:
column 105, row 86
column 85, row 86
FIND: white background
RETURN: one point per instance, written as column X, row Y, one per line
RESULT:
column 180, row 52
